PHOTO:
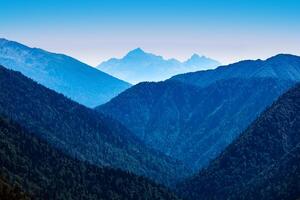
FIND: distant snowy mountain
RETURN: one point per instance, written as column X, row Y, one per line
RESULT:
column 138, row 66
column 61, row 73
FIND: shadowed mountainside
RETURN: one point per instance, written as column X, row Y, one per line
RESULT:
column 80, row 131
column 189, row 123
column 263, row 163
column 194, row 116
column 46, row 173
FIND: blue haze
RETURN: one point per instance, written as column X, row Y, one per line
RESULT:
column 138, row 66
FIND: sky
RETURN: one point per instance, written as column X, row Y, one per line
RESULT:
column 96, row 30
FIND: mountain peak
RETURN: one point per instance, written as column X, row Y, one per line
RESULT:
column 195, row 56
column 5, row 41
column 283, row 57
column 201, row 61
column 135, row 52
column 15, row 56
column 138, row 49
column 138, row 66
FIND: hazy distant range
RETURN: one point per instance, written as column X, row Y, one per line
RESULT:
column 138, row 66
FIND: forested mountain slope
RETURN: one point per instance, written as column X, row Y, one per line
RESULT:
column 47, row 173
column 80, row 131
column 9, row 192
column 194, row 116
column 189, row 123
column 263, row 163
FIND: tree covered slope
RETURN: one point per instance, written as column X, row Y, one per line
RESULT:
column 9, row 192
column 79, row 131
column 194, row 116
column 263, row 163
column 47, row 173
column 189, row 123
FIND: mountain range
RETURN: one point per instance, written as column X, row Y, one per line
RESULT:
column 263, row 163
column 193, row 121
column 138, row 66
column 79, row 131
column 59, row 72
column 225, row 133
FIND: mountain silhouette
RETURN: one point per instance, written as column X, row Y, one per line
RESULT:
column 138, row 66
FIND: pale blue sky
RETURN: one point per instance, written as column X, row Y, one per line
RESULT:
column 93, row 31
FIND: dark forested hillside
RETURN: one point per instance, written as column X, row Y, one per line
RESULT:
column 79, row 131
column 189, row 123
column 282, row 66
column 46, row 173
column 61, row 73
column 263, row 163
column 9, row 192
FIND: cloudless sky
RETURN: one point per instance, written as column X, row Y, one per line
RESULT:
column 95, row 30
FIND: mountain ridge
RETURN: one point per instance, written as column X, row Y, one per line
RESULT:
column 61, row 73
column 190, row 125
column 138, row 66
column 270, row 67
column 79, row 131
column 194, row 122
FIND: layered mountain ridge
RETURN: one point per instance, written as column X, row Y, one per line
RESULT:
column 61, row 73
column 194, row 121
column 225, row 133
column 79, row 131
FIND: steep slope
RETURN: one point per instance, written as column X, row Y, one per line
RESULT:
column 79, row 131
column 282, row 66
column 263, row 163
column 61, row 73
column 138, row 66
column 47, row 173
column 189, row 123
